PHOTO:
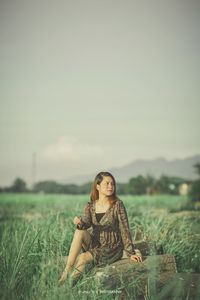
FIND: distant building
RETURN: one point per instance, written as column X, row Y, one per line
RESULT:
column 184, row 188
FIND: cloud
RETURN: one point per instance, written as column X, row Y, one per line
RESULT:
column 71, row 149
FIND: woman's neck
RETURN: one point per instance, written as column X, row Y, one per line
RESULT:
column 102, row 204
column 103, row 199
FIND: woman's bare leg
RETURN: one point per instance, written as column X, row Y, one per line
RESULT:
column 81, row 237
column 83, row 259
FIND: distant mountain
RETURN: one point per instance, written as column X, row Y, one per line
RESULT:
column 178, row 167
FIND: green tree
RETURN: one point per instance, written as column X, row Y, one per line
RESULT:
column 122, row 188
column 19, row 186
column 137, row 185
column 48, row 186
column 197, row 168
column 85, row 188
column 169, row 185
column 194, row 194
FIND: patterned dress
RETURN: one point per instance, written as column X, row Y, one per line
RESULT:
column 110, row 236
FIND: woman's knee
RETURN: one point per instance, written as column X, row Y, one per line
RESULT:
column 85, row 258
column 82, row 259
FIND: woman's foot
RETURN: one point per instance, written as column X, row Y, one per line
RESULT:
column 73, row 279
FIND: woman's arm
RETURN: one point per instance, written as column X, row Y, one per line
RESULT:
column 125, row 230
column 86, row 219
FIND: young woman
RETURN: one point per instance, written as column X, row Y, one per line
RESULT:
column 111, row 235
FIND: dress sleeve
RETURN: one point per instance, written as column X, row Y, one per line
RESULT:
column 125, row 230
column 86, row 219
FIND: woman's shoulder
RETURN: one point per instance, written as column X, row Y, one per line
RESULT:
column 118, row 202
column 89, row 204
column 88, row 208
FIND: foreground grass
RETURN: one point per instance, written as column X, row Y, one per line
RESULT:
column 36, row 230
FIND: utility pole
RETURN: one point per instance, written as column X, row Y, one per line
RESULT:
column 33, row 169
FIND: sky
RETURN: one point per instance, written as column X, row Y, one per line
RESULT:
column 94, row 84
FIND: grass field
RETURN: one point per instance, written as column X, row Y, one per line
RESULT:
column 36, row 230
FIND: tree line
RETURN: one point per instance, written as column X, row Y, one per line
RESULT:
column 138, row 185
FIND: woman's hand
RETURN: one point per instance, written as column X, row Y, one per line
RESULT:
column 137, row 258
column 63, row 277
column 77, row 221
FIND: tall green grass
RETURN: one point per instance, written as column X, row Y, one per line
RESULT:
column 36, row 231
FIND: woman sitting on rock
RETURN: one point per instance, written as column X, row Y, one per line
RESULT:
column 107, row 216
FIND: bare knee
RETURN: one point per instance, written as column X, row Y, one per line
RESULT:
column 82, row 258
column 85, row 258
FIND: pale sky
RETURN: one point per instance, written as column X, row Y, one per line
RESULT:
column 92, row 84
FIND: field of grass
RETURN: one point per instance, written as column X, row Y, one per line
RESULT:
column 36, row 230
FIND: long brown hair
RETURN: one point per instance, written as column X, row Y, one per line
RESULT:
column 94, row 195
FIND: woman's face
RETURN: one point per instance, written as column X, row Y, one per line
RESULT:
column 106, row 187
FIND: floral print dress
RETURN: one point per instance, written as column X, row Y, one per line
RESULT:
column 110, row 236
